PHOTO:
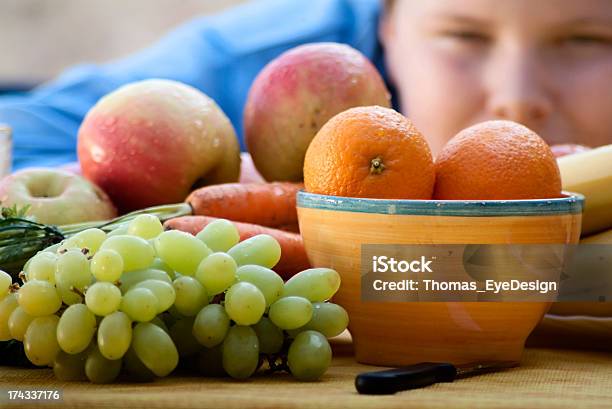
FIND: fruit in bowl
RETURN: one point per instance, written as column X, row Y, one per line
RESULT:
column 295, row 94
column 370, row 152
column 56, row 196
column 496, row 160
column 151, row 142
column 502, row 162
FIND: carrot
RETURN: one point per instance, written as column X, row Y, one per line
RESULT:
column 266, row 204
column 293, row 255
column 293, row 228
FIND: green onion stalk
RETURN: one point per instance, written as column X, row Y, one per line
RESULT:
column 21, row 237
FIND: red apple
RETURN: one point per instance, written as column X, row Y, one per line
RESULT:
column 150, row 142
column 295, row 94
column 248, row 173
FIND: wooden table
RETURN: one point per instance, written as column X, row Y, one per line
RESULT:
column 547, row 378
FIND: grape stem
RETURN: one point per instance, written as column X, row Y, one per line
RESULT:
column 77, row 292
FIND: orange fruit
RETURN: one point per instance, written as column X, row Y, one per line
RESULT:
column 370, row 152
column 497, row 160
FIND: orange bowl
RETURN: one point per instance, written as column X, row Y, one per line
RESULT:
column 403, row 333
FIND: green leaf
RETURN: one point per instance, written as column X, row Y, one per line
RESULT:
column 15, row 212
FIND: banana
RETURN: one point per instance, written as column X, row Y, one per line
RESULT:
column 590, row 173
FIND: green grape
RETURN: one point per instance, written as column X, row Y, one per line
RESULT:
column 146, row 226
column 120, row 230
column 160, row 323
column 211, row 325
column 99, row 369
column 269, row 335
column 309, row 356
column 190, row 296
column 90, row 239
column 53, row 248
column 240, row 352
column 103, row 298
column 70, row 368
column 7, row 306
column 290, row 312
column 220, row 235
column 181, row 251
column 18, row 323
column 136, row 252
column 210, row 362
column 155, row 349
column 216, row 273
column 135, row 369
column 159, row 264
column 131, row 278
column 69, row 297
column 72, row 271
column 163, row 291
column 244, row 303
column 262, row 250
column 327, row 318
column 40, row 340
column 268, row 282
column 140, row 304
column 182, row 336
column 107, row 265
column 76, row 329
column 39, row 298
column 42, row 267
column 114, row 335
column 5, row 284
column 316, row 284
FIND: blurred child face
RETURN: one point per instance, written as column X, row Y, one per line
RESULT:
column 546, row 64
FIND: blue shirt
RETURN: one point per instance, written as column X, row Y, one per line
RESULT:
column 219, row 54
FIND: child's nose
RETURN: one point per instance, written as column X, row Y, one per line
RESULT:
column 518, row 89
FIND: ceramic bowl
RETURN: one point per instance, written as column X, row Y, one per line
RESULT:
column 403, row 333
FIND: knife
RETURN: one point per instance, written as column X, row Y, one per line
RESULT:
column 420, row 375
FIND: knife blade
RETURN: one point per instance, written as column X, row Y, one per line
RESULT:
column 423, row 374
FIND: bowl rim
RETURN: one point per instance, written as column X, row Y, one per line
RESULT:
column 570, row 203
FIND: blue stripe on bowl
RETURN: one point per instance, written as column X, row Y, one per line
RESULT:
column 571, row 204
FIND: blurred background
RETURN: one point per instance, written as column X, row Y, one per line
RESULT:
column 40, row 38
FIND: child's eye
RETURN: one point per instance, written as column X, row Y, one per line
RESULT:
column 587, row 40
column 467, row 36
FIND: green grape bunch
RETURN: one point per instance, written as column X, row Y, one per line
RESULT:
column 139, row 301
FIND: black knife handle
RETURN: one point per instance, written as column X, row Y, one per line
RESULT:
column 409, row 377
